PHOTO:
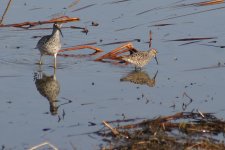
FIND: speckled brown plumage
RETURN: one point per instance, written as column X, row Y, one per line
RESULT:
column 50, row 44
column 141, row 58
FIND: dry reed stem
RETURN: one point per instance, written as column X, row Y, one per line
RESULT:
column 121, row 42
column 203, row 3
column 3, row 16
column 150, row 39
column 188, row 14
column 43, row 144
column 73, row 3
column 114, row 131
column 78, row 55
column 27, row 25
column 114, row 53
column 81, row 47
column 193, row 39
column 83, row 7
column 212, row 2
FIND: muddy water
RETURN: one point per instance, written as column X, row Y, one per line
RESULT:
column 91, row 92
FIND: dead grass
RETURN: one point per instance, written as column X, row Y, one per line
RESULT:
column 184, row 130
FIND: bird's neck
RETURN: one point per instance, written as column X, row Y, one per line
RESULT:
column 56, row 33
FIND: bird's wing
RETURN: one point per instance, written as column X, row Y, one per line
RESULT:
column 43, row 40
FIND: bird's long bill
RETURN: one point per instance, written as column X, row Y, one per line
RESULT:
column 156, row 60
column 60, row 32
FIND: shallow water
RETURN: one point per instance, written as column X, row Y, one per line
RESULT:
column 91, row 92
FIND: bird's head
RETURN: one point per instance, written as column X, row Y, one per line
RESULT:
column 154, row 52
column 57, row 26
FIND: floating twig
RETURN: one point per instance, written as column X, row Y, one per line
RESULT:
column 118, row 1
column 193, row 39
column 83, row 7
column 192, row 42
column 78, row 47
column 3, row 16
column 127, row 28
column 204, row 3
column 184, row 106
column 121, row 42
column 43, row 144
column 27, row 25
column 150, row 39
column 114, row 54
column 211, row 2
column 73, row 3
column 114, row 131
column 66, row 27
column 189, row 14
column 219, row 46
column 203, row 116
column 143, row 12
column 162, row 24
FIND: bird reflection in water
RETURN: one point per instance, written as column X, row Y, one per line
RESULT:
column 49, row 87
column 140, row 77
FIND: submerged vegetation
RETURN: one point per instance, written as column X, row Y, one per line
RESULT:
column 184, row 130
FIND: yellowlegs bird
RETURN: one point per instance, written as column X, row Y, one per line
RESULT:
column 141, row 58
column 50, row 44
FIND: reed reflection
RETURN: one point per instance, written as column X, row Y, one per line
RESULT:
column 49, row 87
column 140, row 77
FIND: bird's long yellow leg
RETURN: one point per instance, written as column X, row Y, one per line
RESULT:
column 54, row 76
column 55, row 60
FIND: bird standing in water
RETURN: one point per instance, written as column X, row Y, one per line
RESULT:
column 50, row 44
column 141, row 58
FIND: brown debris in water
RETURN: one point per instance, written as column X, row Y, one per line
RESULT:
column 44, row 144
column 127, row 28
column 73, row 3
column 120, row 42
column 118, row 1
column 83, row 7
column 162, row 24
column 193, row 39
column 83, row 29
column 188, row 14
column 115, row 54
column 184, row 130
column 203, row 3
column 212, row 2
column 27, row 25
column 6, row 9
column 78, row 47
